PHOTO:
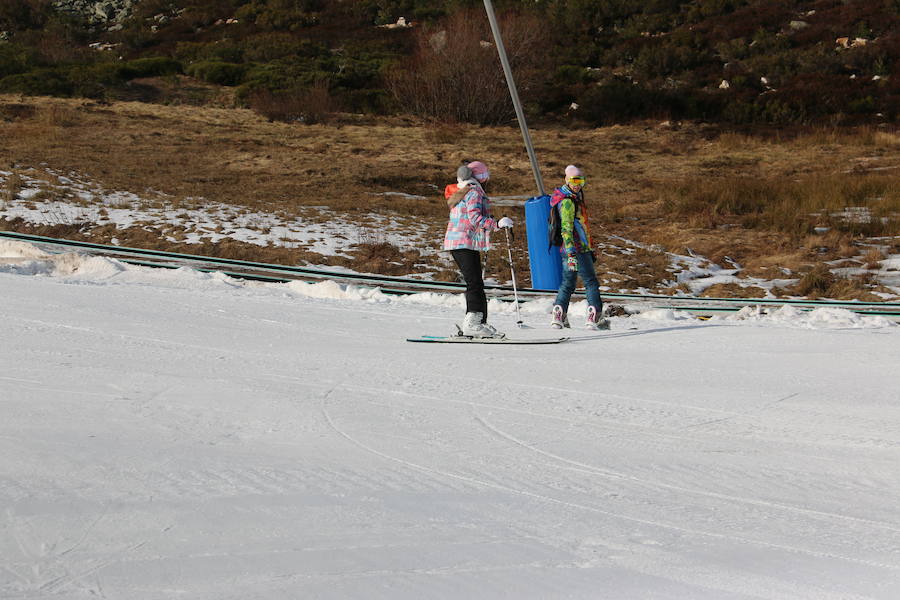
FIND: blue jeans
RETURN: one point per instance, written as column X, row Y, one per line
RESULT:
column 588, row 276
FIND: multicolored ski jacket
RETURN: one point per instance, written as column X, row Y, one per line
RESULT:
column 573, row 220
column 471, row 222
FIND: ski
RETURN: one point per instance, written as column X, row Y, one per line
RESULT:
column 464, row 339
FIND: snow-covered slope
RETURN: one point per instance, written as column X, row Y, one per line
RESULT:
column 182, row 435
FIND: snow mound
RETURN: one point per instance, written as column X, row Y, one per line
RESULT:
column 21, row 258
column 819, row 318
column 20, row 250
column 76, row 265
column 664, row 315
column 336, row 291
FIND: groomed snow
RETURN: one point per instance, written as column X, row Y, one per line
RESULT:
column 174, row 434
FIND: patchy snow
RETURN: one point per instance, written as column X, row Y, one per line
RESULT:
column 317, row 229
column 888, row 271
column 51, row 198
column 177, row 434
column 698, row 273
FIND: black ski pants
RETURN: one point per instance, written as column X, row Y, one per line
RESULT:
column 469, row 262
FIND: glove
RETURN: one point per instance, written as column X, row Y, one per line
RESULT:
column 571, row 262
column 505, row 222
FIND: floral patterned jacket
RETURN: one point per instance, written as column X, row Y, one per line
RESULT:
column 471, row 222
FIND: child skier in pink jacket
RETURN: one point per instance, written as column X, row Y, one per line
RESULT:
column 468, row 233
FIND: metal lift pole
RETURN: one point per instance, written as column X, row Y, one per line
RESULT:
column 517, row 104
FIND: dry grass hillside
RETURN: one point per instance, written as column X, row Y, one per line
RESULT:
column 681, row 188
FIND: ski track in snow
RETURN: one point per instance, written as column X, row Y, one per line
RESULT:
column 541, row 497
column 620, row 476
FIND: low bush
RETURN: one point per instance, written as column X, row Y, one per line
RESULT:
column 620, row 100
column 219, row 73
column 281, row 15
column 15, row 59
column 39, row 82
column 269, row 47
column 93, row 80
column 159, row 66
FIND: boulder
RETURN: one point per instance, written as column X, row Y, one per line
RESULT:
column 107, row 12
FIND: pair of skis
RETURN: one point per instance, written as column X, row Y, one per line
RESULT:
column 460, row 337
column 501, row 338
column 468, row 339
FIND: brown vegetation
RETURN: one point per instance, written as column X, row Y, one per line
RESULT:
column 315, row 105
column 11, row 188
column 383, row 258
column 872, row 258
column 820, row 282
column 733, row 290
column 727, row 196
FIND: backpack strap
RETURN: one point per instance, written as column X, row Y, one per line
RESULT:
column 554, row 227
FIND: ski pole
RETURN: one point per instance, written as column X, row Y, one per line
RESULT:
column 513, row 272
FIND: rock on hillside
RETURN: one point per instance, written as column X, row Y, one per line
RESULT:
column 102, row 12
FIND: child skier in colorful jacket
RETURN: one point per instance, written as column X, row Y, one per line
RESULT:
column 468, row 233
column 471, row 223
column 577, row 252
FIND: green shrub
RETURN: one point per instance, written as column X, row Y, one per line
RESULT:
column 569, row 74
column 189, row 52
column 40, row 82
column 862, row 105
column 149, row 67
column 275, row 46
column 358, row 73
column 103, row 74
column 228, row 52
column 219, row 73
column 14, row 59
column 660, row 60
column 279, row 76
column 674, row 49
column 284, row 15
column 620, row 100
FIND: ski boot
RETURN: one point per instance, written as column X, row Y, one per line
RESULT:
column 595, row 320
column 474, row 327
column 559, row 318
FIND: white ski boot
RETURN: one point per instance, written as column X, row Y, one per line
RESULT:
column 492, row 329
column 596, row 320
column 559, row 318
column 473, row 327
